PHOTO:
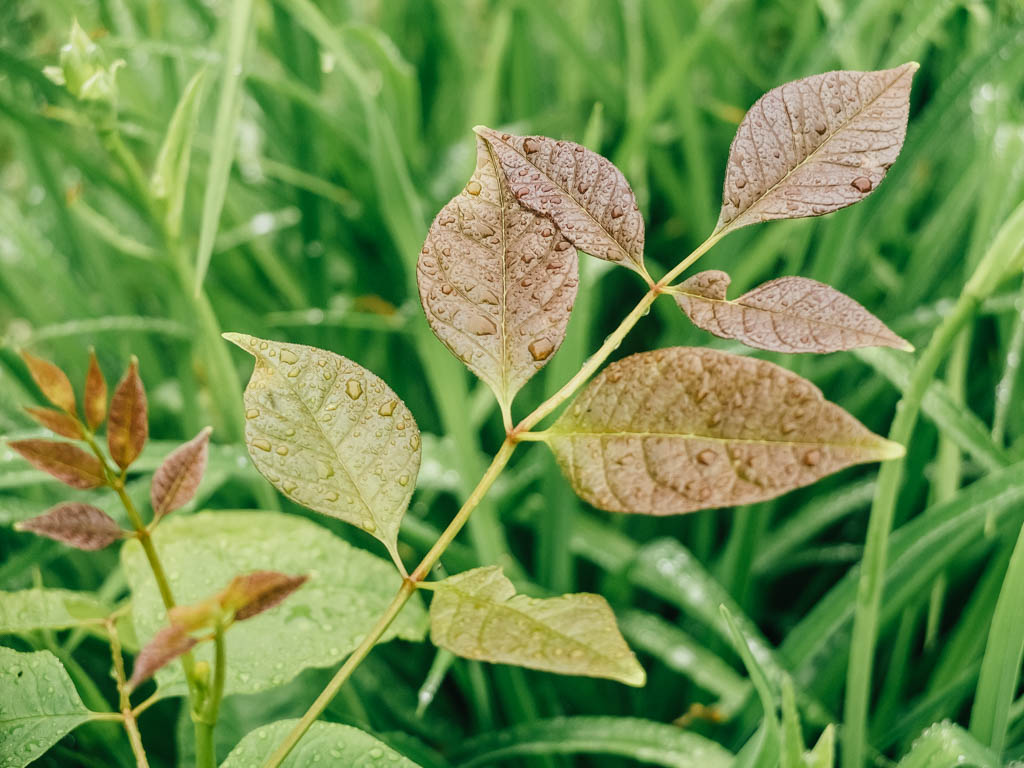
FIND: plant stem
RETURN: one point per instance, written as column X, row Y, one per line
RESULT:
column 130, row 725
column 206, row 754
column 519, row 433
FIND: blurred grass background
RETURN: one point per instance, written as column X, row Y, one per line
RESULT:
column 352, row 130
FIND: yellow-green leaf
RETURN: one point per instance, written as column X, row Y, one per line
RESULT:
column 478, row 615
column 684, row 428
column 330, row 435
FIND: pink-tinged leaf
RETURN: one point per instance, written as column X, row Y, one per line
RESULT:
column 253, row 593
column 497, row 282
column 175, row 482
column 815, row 145
column 195, row 616
column 60, row 422
column 78, row 525
column 128, row 427
column 681, row 429
column 95, row 393
column 68, row 463
column 790, row 314
column 583, row 193
column 167, row 645
column 52, row 381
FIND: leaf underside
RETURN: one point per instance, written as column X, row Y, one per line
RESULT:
column 581, row 191
column 496, row 281
column 684, row 428
column 815, row 145
column 789, row 314
column 330, row 435
column 478, row 615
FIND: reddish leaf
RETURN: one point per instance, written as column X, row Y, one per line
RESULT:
column 167, row 645
column 95, row 393
column 128, row 428
column 52, row 381
column 175, row 482
column 60, row 422
column 68, row 463
column 257, row 592
column 78, row 525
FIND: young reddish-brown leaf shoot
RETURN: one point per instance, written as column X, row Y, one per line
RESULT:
column 128, row 426
column 95, row 401
column 815, row 145
column 68, row 463
column 167, row 645
column 78, row 525
column 253, row 593
column 682, row 429
column 583, row 193
column 52, row 381
column 176, row 480
column 497, row 282
column 790, row 314
column 59, row 422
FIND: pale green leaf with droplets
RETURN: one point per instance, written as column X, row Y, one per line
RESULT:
column 317, row 626
column 31, row 609
column 329, row 744
column 38, row 705
column 330, row 435
column 478, row 615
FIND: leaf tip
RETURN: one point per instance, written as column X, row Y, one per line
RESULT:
column 240, row 340
column 891, row 450
column 636, row 675
column 482, row 130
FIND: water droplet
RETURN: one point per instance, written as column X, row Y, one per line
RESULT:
column 562, row 245
column 353, row 389
column 446, row 289
column 282, row 450
column 324, row 470
column 403, row 480
column 474, row 187
column 369, row 526
column 617, row 212
column 706, row 457
column 263, row 445
column 541, row 349
column 287, row 356
column 862, row 184
column 820, row 127
column 481, row 326
column 252, row 413
column 812, row 457
column 387, row 408
column 530, row 146
column 331, row 496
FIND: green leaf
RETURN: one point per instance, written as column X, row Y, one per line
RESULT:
column 824, row 753
column 632, row 737
column 325, row 743
column 792, row 732
column 478, row 615
column 770, row 746
column 947, row 744
column 170, row 173
column 330, row 435
column 1000, row 666
column 38, row 706
column 32, row 609
column 316, row 627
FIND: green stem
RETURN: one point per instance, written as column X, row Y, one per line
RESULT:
column 501, row 458
column 131, row 727
column 206, row 753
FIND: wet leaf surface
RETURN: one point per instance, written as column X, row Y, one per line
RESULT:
column 78, row 525
column 324, row 743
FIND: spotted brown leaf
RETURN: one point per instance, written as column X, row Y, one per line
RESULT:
column 583, row 193
column 497, row 282
column 684, row 428
column 790, row 314
column 815, row 145
column 478, row 615
column 78, row 525
column 330, row 435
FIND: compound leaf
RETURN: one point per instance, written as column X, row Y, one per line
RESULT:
column 38, row 705
column 790, row 314
column 325, row 743
column 330, row 435
column 682, row 429
column 583, row 193
column 478, row 615
column 317, row 626
column 78, row 525
column 497, row 282
column 815, row 145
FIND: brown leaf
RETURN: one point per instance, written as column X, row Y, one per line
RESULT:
column 95, row 393
column 68, row 463
column 815, row 145
column 175, row 482
column 167, row 645
column 52, row 381
column 64, row 424
column 682, row 429
column 496, row 281
column 583, row 193
column 790, row 314
column 253, row 593
column 128, row 428
column 78, row 525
